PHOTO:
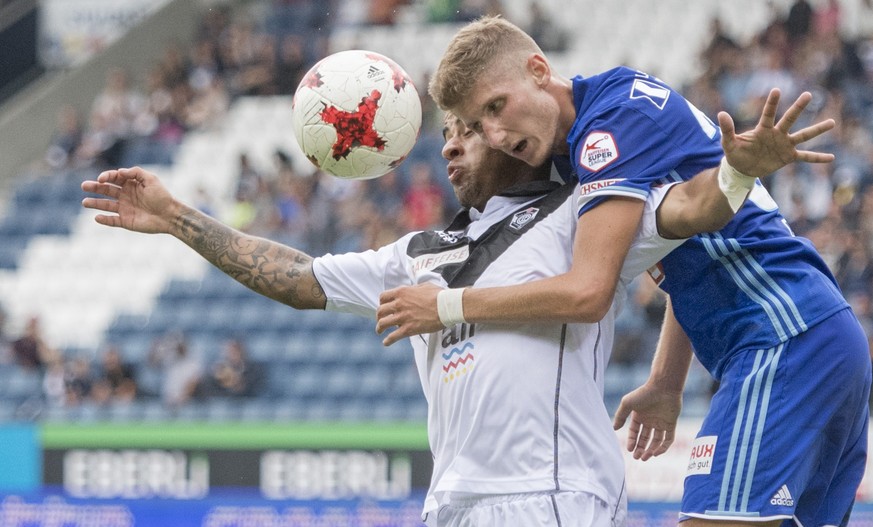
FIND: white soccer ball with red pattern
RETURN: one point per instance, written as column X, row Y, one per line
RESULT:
column 356, row 114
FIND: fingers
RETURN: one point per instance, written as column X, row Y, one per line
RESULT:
column 791, row 115
column 105, row 205
column 620, row 416
column 814, row 157
column 106, row 189
column 383, row 322
column 811, row 132
column 393, row 337
column 667, row 441
column 647, row 442
column 633, row 435
column 642, row 444
column 726, row 123
column 768, row 115
column 122, row 175
column 386, row 299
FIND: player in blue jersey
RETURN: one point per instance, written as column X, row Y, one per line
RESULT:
column 785, row 439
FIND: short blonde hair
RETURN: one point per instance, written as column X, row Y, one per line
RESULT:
column 473, row 49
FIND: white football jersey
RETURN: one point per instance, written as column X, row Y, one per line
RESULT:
column 512, row 408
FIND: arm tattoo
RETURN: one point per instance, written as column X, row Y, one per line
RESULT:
column 266, row 267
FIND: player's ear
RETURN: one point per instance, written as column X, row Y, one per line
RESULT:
column 539, row 68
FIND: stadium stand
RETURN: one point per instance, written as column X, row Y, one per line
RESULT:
column 91, row 286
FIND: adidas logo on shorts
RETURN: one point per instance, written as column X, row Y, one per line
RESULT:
column 783, row 497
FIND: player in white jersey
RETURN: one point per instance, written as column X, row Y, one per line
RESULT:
column 516, row 422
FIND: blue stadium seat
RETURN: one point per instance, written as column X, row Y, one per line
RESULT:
column 304, row 382
column 355, row 410
column 11, row 248
column 7, row 412
column 322, row 410
column 220, row 315
column 280, row 380
column 406, row 382
column 127, row 323
column 389, row 410
column 288, row 410
column 365, row 349
column 89, row 412
column 124, row 412
column 135, row 346
column 416, row 410
column 56, row 414
column 329, row 348
column 267, row 347
column 375, row 380
column 299, row 348
column 194, row 411
column 154, row 410
column 23, row 383
column 222, row 410
column 257, row 410
column 342, row 381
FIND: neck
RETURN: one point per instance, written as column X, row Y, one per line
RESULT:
column 563, row 93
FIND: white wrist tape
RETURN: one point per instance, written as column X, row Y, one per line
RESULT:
column 450, row 306
column 734, row 184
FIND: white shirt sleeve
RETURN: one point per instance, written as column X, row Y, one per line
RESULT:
column 353, row 282
column 649, row 247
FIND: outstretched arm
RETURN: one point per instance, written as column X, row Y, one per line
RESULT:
column 137, row 201
column 700, row 205
column 586, row 292
column 654, row 407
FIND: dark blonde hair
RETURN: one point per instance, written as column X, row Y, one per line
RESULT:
column 475, row 48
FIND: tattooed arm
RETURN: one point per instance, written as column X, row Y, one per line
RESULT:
column 139, row 202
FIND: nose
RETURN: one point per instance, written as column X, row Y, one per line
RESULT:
column 494, row 135
column 452, row 149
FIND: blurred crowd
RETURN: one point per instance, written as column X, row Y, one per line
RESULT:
column 238, row 54
column 172, row 372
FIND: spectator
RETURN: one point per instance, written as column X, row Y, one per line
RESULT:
column 423, row 202
column 116, row 381
column 291, row 64
column 65, row 139
column 542, row 28
column 181, row 370
column 5, row 340
column 30, row 350
column 799, row 21
column 54, row 382
column 234, row 375
column 78, row 381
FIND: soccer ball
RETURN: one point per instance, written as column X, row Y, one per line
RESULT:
column 356, row 114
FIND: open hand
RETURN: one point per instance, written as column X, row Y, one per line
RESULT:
column 772, row 145
column 135, row 197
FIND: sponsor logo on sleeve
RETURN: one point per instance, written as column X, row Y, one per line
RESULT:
column 598, row 151
column 702, row 454
column 594, row 186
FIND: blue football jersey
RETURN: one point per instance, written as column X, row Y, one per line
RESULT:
column 751, row 285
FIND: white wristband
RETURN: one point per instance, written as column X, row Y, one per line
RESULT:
column 734, row 184
column 450, row 306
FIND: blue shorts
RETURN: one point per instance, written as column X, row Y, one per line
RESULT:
column 786, row 433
